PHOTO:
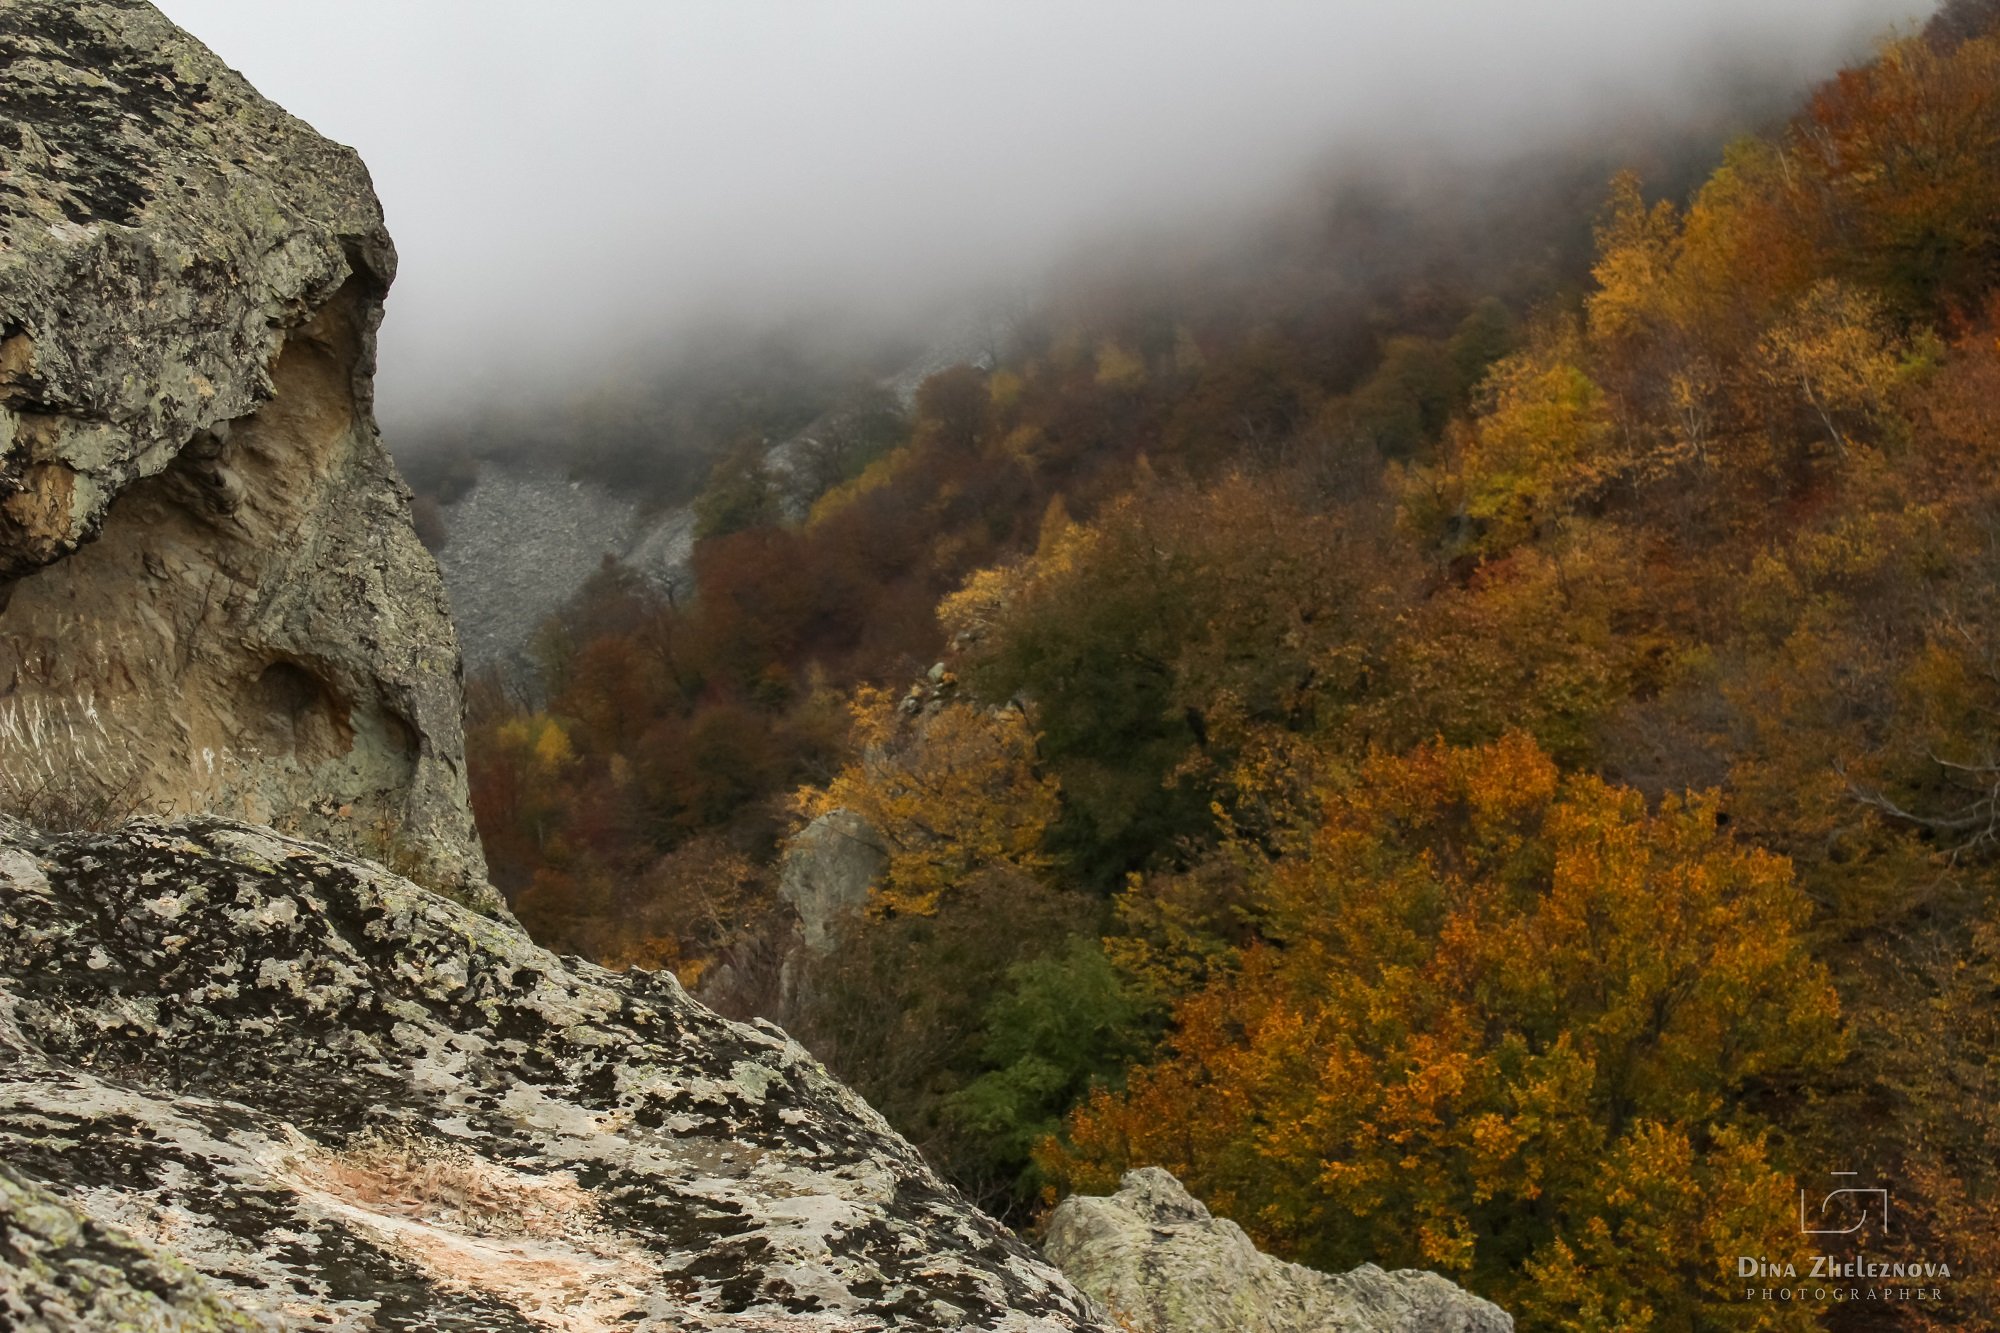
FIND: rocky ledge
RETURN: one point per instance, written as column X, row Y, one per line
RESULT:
column 249, row 1082
column 1160, row 1263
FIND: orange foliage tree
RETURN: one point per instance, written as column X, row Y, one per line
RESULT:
column 1506, row 1025
column 1904, row 161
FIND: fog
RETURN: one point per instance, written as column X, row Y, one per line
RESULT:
column 576, row 187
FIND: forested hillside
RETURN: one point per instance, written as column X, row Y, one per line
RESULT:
column 1489, row 762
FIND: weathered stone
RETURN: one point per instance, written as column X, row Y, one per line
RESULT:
column 211, row 595
column 1160, row 1263
column 827, row 871
column 241, row 1073
column 64, row 1271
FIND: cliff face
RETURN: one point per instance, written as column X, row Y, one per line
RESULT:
column 525, row 537
column 211, row 597
column 247, row 1082
column 523, row 541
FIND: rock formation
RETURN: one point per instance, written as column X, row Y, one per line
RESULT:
column 258, row 1084
column 525, row 536
column 828, row 869
column 213, row 597
column 523, row 541
column 1159, row 1263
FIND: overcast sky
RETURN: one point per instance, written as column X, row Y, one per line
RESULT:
column 570, row 182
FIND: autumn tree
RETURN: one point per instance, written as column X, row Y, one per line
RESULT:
column 1939, row 1058
column 1167, row 648
column 954, row 409
column 953, row 790
column 1904, row 158
column 1243, row 408
column 1637, row 248
column 1506, row 1024
column 741, row 493
column 1960, row 21
column 1404, row 405
column 1832, row 354
column 1118, row 369
column 1549, row 639
column 1542, row 443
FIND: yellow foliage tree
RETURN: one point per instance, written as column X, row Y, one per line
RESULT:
column 1543, row 440
column 1118, row 368
column 1832, row 353
column 1534, row 643
column 553, row 750
column 1636, row 250
column 953, row 790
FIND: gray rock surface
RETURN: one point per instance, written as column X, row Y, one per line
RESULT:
column 246, row 1081
column 213, row 597
column 62, row 1270
column 827, row 871
column 1160, row 1263
column 522, row 542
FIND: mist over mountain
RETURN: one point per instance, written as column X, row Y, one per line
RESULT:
column 580, row 195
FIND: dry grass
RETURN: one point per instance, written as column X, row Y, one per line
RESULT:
column 53, row 757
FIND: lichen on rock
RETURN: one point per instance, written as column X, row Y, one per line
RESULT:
column 314, row 1094
column 211, row 594
column 65, row 1271
column 1159, row 1262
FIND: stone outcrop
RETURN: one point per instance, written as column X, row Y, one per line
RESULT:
column 213, row 596
column 827, row 871
column 1160, row 1263
column 259, row 1084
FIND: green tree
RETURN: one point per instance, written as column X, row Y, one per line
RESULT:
column 740, row 494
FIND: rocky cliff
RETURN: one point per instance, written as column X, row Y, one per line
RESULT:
column 524, row 539
column 213, row 598
column 1160, row 1263
column 248, row 1082
column 525, row 536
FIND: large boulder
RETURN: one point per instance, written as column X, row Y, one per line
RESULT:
column 245, row 1078
column 211, row 594
column 1160, row 1263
